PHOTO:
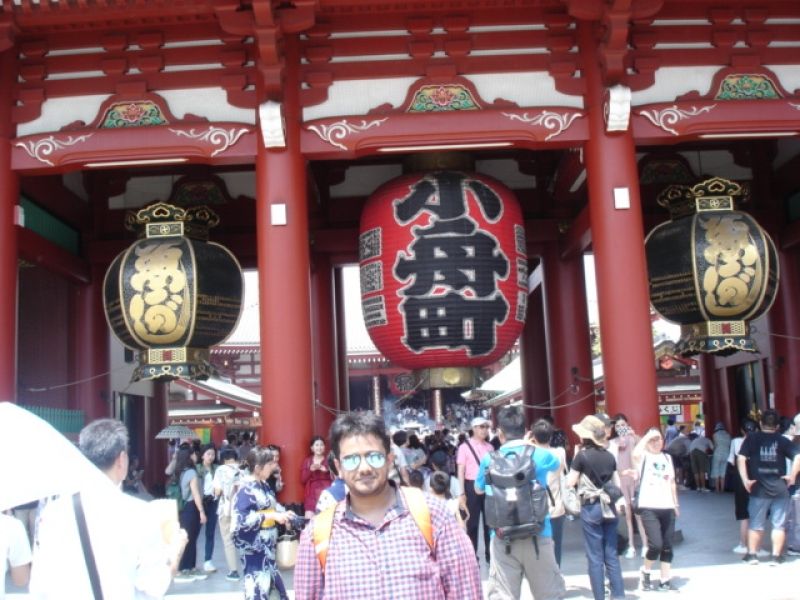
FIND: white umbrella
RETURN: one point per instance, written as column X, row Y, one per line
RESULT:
column 172, row 432
column 38, row 461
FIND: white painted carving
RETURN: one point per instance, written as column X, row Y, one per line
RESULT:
column 273, row 128
column 218, row 137
column 551, row 121
column 669, row 116
column 41, row 148
column 341, row 129
column 617, row 108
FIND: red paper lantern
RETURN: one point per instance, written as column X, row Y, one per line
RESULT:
column 444, row 273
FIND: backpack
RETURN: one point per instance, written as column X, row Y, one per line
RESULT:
column 417, row 506
column 518, row 505
column 173, row 490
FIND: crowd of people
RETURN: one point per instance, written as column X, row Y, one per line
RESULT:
column 382, row 509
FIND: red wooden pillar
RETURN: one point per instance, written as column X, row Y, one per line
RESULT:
column 324, row 349
column 90, row 360
column 712, row 405
column 9, row 196
column 154, row 453
column 568, row 347
column 784, row 319
column 283, row 260
column 342, row 368
column 618, row 245
column 535, row 379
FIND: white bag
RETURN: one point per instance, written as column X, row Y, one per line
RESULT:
column 286, row 552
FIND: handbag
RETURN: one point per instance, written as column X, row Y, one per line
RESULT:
column 286, row 552
column 569, row 495
column 635, row 500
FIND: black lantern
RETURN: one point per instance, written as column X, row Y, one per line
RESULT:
column 173, row 294
column 712, row 268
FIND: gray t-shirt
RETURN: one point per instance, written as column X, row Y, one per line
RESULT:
column 186, row 480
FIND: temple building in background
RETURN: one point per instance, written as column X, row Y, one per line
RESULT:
column 286, row 117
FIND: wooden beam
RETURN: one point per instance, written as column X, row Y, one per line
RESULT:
column 578, row 237
column 42, row 252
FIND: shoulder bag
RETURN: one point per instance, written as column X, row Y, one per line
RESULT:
column 635, row 500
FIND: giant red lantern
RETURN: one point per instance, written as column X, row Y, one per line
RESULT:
column 443, row 269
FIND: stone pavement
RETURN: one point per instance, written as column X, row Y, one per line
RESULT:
column 705, row 568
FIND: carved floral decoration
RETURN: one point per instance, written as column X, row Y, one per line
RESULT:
column 437, row 98
column 144, row 113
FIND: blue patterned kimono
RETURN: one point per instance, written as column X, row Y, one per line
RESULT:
column 257, row 545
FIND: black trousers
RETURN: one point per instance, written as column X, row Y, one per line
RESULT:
column 475, row 504
column 659, row 525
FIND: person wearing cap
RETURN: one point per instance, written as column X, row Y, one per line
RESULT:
column 719, row 460
column 468, row 459
column 595, row 468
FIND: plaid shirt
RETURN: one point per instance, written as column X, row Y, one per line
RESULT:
column 391, row 561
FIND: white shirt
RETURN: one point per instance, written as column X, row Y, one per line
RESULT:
column 657, row 478
column 126, row 539
column 14, row 547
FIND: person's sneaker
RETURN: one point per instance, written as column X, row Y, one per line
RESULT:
column 666, row 586
column 762, row 553
column 750, row 559
column 209, row 567
column 644, row 581
column 774, row 561
column 199, row 575
column 644, row 551
column 792, row 552
column 740, row 549
column 630, row 552
column 184, row 577
column 233, row 576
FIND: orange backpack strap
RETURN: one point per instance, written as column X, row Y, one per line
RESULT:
column 323, row 526
column 418, row 507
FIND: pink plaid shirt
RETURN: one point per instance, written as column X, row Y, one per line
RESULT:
column 390, row 561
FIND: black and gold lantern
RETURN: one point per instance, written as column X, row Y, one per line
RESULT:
column 712, row 268
column 173, row 294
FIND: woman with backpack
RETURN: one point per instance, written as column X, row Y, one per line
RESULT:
column 192, row 515
column 656, row 501
column 594, row 471
column 256, row 514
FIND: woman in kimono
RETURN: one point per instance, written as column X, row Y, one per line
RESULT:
column 256, row 515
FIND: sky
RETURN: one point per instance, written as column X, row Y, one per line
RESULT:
column 357, row 336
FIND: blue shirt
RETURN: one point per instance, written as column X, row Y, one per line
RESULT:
column 545, row 462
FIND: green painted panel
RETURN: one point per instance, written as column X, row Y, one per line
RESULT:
column 49, row 227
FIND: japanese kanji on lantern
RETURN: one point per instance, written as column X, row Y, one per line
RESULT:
column 443, row 270
column 712, row 269
column 173, row 294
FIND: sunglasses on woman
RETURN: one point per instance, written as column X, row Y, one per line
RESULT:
column 374, row 459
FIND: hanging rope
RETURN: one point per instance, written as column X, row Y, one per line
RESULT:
column 36, row 390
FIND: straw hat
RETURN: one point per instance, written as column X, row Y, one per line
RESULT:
column 590, row 428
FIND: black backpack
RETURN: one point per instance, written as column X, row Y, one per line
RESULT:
column 518, row 505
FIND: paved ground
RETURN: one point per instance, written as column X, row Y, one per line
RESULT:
column 705, row 568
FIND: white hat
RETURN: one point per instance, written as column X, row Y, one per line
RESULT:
column 478, row 421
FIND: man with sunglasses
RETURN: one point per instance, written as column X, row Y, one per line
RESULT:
column 468, row 460
column 376, row 547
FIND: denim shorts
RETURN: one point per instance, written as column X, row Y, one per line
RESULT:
column 777, row 508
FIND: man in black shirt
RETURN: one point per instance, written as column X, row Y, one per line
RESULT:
column 762, row 467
